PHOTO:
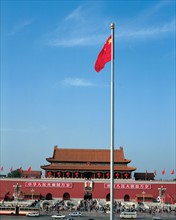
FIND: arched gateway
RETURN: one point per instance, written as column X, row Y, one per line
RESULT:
column 66, row 196
column 126, row 198
column 87, row 196
column 49, row 196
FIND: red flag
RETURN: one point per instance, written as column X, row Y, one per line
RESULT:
column 172, row 172
column 163, row 172
column 104, row 55
column 29, row 169
column 11, row 169
column 2, row 168
column 20, row 169
column 155, row 172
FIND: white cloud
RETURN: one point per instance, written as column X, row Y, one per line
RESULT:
column 76, row 82
column 24, row 130
column 77, row 30
column 20, row 26
column 76, row 14
column 148, row 31
column 77, row 41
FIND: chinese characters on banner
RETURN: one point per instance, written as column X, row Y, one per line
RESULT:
column 70, row 185
column 128, row 186
column 49, row 184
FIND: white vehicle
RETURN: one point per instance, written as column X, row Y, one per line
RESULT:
column 157, row 218
column 33, row 214
column 75, row 214
column 58, row 216
column 128, row 215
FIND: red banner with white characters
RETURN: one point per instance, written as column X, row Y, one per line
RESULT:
column 49, row 184
column 128, row 186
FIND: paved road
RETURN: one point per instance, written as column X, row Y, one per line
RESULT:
column 93, row 216
column 103, row 216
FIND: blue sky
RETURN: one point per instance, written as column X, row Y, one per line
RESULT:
column 51, row 94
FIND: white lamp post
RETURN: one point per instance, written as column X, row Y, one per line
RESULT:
column 16, row 190
column 32, row 191
column 143, row 194
column 162, row 192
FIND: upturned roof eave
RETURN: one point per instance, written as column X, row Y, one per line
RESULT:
column 86, row 168
column 50, row 160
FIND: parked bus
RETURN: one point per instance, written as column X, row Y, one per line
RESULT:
column 16, row 210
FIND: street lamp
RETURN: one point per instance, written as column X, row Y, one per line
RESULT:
column 162, row 192
column 32, row 191
column 143, row 194
column 16, row 190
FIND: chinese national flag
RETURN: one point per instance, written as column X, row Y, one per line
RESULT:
column 11, row 169
column 104, row 56
column 20, row 169
column 163, row 172
column 2, row 168
column 155, row 172
column 172, row 172
column 29, row 169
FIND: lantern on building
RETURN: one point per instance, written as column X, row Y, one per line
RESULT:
column 117, row 175
column 77, row 174
column 59, row 173
column 99, row 174
column 126, row 175
column 108, row 175
column 68, row 174
column 49, row 173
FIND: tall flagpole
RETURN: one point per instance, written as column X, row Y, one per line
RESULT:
column 112, row 127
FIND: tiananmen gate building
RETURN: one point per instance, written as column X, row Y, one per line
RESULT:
column 87, row 163
column 80, row 174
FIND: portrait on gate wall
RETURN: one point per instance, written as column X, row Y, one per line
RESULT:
column 88, row 185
